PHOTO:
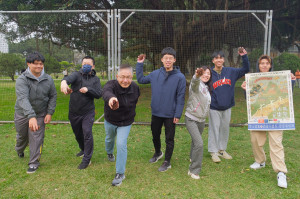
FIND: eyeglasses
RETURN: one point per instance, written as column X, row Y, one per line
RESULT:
column 125, row 77
column 168, row 58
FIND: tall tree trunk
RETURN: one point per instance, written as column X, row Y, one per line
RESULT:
column 37, row 43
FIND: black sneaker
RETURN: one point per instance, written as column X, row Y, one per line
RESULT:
column 156, row 157
column 31, row 169
column 84, row 165
column 21, row 155
column 80, row 154
column 118, row 179
column 165, row 166
column 111, row 157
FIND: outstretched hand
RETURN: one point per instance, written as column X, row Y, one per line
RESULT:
column 199, row 72
column 113, row 103
column 64, row 88
column 141, row 58
column 242, row 51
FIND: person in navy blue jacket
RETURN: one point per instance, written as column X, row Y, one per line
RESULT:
column 222, row 99
column 167, row 102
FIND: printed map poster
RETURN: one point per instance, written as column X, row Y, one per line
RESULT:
column 270, row 101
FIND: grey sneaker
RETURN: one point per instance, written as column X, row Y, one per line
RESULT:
column 31, row 169
column 156, row 157
column 111, row 157
column 165, row 166
column 80, row 154
column 118, row 179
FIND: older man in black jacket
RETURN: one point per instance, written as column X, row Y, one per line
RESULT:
column 120, row 98
column 85, row 86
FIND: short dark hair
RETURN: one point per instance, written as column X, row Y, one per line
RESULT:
column 35, row 56
column 125, row 66
column 89, row 57
column 218, row 53
column 267, row 57
column 169, row 51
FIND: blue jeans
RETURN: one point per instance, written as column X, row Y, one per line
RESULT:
column 122, row 133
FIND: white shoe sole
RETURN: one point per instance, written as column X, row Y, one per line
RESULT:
column 158, row 158
column 116, row 185
column 169, row 167
column 193, row 175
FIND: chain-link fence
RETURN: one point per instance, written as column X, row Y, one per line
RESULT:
column 119, row 36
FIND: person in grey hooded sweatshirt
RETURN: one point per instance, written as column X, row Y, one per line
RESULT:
column 35, row 105
column 197, row 110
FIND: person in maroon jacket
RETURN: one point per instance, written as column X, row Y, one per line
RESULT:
column 120, row 97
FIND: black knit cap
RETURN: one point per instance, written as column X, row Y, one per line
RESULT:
column 169, row 51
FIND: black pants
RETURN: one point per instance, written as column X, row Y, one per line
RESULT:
column 82, row 127
column 156, row 125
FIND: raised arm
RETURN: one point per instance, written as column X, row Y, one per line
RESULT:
column 140, row 71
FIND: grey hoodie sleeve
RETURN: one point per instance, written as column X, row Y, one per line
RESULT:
column 195, row 84
column 22, row 93
column 52, row 98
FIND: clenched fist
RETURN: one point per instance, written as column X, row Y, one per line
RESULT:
column 141, row 58
column 199, row 72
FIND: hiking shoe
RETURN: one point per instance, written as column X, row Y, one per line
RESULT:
column 156, row 157
column 80, row 154
column 31, row 169
column 281, row 178
column 225, row 155
column 84, row 165
column 165, row 166
column 215, row 157
column 256, row 165
column 111, row 157
column 118, row 179
column 194, row 176
column 21, row 155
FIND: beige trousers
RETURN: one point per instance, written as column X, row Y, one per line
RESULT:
column 258, row 139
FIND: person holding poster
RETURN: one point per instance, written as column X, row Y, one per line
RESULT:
column 258, row 138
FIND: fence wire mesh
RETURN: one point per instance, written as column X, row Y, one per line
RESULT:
column 65, row 37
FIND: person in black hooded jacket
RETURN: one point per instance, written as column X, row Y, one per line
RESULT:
column 120, row 97
column 85, row 86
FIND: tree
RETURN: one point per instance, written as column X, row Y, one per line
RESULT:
column 186, row 33
column 43, row 46
column 287, row 61
column 10, row 64
column 51, row 64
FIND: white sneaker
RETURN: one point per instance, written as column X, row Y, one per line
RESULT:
column 281, row 178
column 256, row 165
column 225, row 155
column 194, row 176
column 215, row 157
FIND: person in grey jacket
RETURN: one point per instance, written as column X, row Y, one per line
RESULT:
column 35, row 105
column 197, row 110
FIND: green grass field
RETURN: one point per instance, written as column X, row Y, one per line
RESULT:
column 58, row 176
